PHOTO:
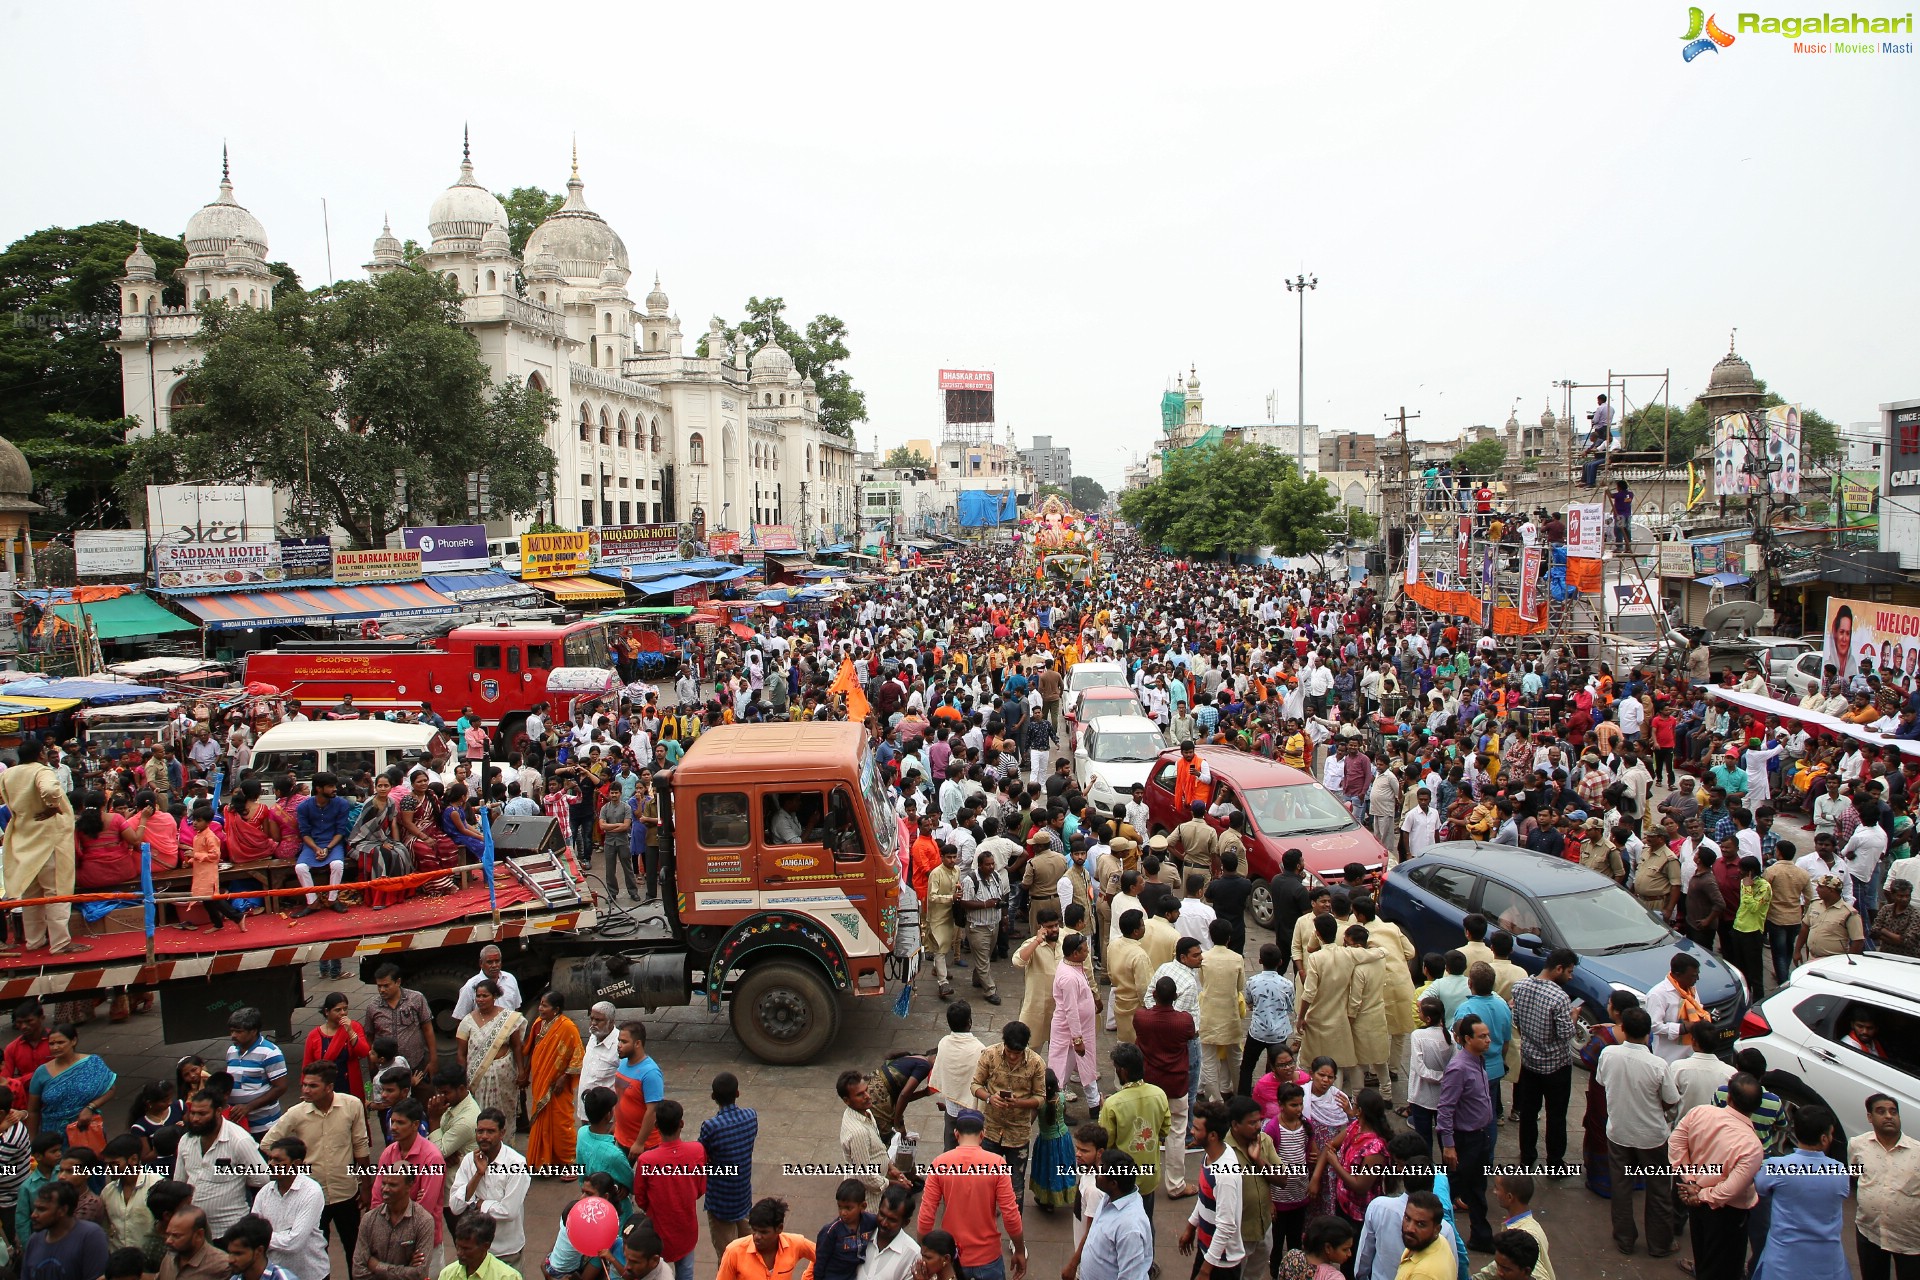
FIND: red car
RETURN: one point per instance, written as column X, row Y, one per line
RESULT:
column 1285, row 808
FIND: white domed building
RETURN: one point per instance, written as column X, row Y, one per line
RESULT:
column 647, row 432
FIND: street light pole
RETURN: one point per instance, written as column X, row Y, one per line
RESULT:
column 1300, row 284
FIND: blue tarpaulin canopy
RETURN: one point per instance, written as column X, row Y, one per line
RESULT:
column 978, row 508
column 96, row 692
column 1723, row 580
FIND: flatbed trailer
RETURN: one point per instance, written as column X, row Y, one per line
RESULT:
column 778, row 933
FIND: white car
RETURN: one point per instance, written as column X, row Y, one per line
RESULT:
column 1082, row 676
column 1114, row 753
column 1801, row 1030
column 1800, row 673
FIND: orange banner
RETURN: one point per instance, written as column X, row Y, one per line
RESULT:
column 1583, row 575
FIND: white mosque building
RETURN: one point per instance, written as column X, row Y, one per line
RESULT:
column 648, row 432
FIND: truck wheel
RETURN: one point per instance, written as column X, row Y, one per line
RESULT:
column 441, row 986
column 785, row 1014
column 1260, row 904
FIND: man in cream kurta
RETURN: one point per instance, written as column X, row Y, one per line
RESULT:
column 1366, row 1012
column 1325, row 1027
column 39, row 849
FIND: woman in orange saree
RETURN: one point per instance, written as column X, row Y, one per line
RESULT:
column 550, row 1072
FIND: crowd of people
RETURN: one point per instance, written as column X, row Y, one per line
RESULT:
column 1329, row 1100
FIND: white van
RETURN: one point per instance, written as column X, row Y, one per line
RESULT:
column 505, row 552
column 343, row 748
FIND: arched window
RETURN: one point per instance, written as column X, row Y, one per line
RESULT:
column 493, row 282
column 586, row 423
column 543, row 295
column 606, row 322
column 606, row 426
column 205, row 295
column 233, row 295
column 535, row 382
column 653, row 340
column 153, row 303
column 653, row 434
column 809, row 457
column 622, row 436
column 179, row 399
column 697, row 449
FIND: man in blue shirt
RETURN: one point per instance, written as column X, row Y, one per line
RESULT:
column 322, row 818
column 727, row 1138
column 1119, row 1243
column 1493, row 1011
column 259, row 1072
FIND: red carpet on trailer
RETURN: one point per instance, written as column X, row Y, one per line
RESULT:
column 463, row 906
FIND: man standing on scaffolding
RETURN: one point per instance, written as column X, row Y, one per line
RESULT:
column 1599, row 438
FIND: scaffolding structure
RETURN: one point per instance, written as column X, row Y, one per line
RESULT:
column 1444, row 528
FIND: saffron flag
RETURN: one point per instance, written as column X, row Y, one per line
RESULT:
column 844, row 680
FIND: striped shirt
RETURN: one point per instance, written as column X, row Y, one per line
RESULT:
column 254, row 1072
column 1217, row 1211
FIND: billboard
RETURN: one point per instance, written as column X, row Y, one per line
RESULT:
column 381, row 564
column 1859, row 632
column 101, row 553
column 306, row 558
column 1464, row 542
column 552, row 555
column 1585, row 530
column 449, row 548
column 724, row 544
column 212, row 514
column 775, row 537
column 228, row 564
column 968, row 394
column 1738, row 437
column 643, row 543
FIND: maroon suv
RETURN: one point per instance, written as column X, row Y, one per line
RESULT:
column 1285, row 808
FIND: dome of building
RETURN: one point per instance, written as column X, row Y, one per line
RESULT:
column 1513, row 422
column 16, row 479
column 657, row 300
column 1193, row 378
column 1547, row 420
column 771, row 362
column 387, row 251
column 140, row 263
column 497, row 243
column 466, row 209
column 579, row 237
column 220, row 223
column 1732, row 375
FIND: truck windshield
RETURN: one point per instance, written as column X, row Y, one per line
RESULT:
column 878, row 813
column 587, row 647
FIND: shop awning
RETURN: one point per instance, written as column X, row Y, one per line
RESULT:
column 97, row 692
column 237, row 610
column 123, row 616
column 666, row 586
column 578, row 590
column 477, row 588
column 1723, row 580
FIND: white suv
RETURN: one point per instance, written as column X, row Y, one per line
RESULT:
column 1802, row 1030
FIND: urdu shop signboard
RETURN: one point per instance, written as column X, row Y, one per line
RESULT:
column 228, row 564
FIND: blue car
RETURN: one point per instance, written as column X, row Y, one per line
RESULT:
column 1547, row 902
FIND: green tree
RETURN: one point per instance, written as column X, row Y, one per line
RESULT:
column 1208, row 501
column 348, row 395
column 527, row 208
column 901, row 456
column 1306, row 517
column 1088, row 494
column 818, row 354
column 60, row 395
column 1483, row 458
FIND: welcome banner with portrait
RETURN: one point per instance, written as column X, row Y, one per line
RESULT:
column 1859, row 632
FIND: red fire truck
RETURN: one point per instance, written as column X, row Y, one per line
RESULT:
column 500, row 670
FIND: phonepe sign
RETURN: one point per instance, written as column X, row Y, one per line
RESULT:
column 448, row 547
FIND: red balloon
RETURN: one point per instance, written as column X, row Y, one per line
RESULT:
column 592, row 1225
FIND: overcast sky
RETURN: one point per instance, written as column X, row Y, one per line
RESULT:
column 1083, row 199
